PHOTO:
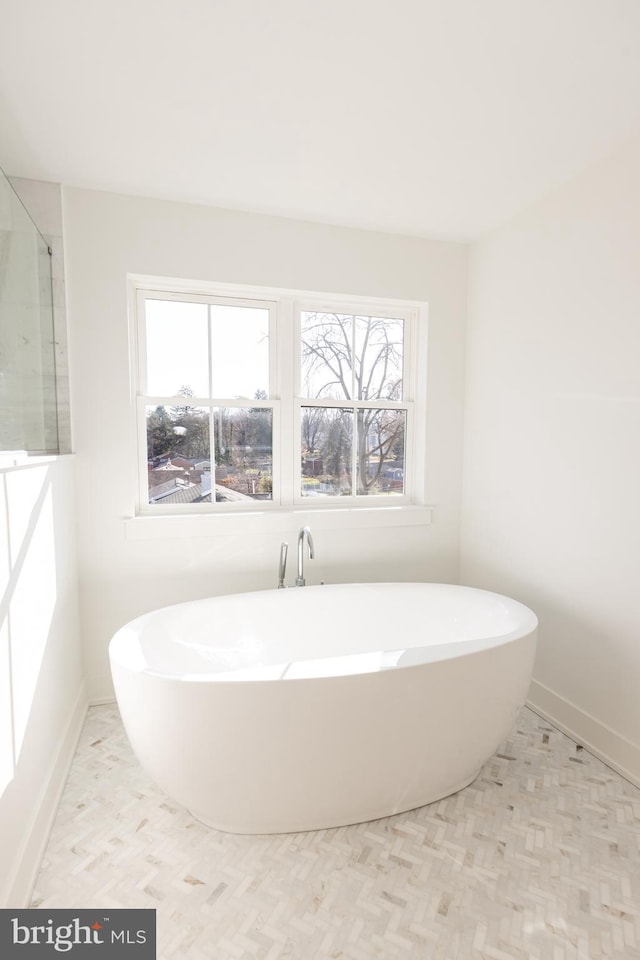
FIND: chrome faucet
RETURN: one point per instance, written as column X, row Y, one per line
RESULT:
column 305, row 533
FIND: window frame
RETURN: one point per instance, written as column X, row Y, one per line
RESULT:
column 367, row 307
column 285, row 399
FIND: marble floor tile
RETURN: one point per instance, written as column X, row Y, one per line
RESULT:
column 538, row 859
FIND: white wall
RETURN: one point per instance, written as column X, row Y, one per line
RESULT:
column 42, row 698
column 551, row 504
column 108, row 236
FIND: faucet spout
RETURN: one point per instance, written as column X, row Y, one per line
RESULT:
column 305, row 534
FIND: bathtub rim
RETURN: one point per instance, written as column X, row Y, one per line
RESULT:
column 120, row 656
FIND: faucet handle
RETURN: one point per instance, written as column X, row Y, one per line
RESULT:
column 282, row 567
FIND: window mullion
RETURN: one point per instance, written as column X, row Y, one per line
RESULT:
column 355, row 431
column 212, row 410
column 210, row 350
column 288, row 350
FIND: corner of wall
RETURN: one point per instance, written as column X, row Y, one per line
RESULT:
column 600, row 740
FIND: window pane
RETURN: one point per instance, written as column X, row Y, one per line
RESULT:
column 240, row 351
column 243, row 453
column 327, row 445
column 378, row 358
column 380, row 460
column 327, row 355
column 177, row 348
column 178, row 454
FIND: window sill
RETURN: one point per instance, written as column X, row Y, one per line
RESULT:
column 274, row 521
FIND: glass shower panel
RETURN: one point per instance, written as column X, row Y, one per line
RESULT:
column 28, row 400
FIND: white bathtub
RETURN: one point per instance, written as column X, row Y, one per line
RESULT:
column 299, row 709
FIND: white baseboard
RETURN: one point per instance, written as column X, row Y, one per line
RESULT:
column 36, row 835
column 612, row 748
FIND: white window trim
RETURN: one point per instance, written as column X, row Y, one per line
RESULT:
column 151, row 521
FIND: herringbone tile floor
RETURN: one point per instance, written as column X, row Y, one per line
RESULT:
column 538, row 859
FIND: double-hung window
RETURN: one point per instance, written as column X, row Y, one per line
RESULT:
column 254, row 399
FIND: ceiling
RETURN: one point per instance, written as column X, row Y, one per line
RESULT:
column 437, row 118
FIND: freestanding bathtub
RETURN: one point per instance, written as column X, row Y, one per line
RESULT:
column 299, row 709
